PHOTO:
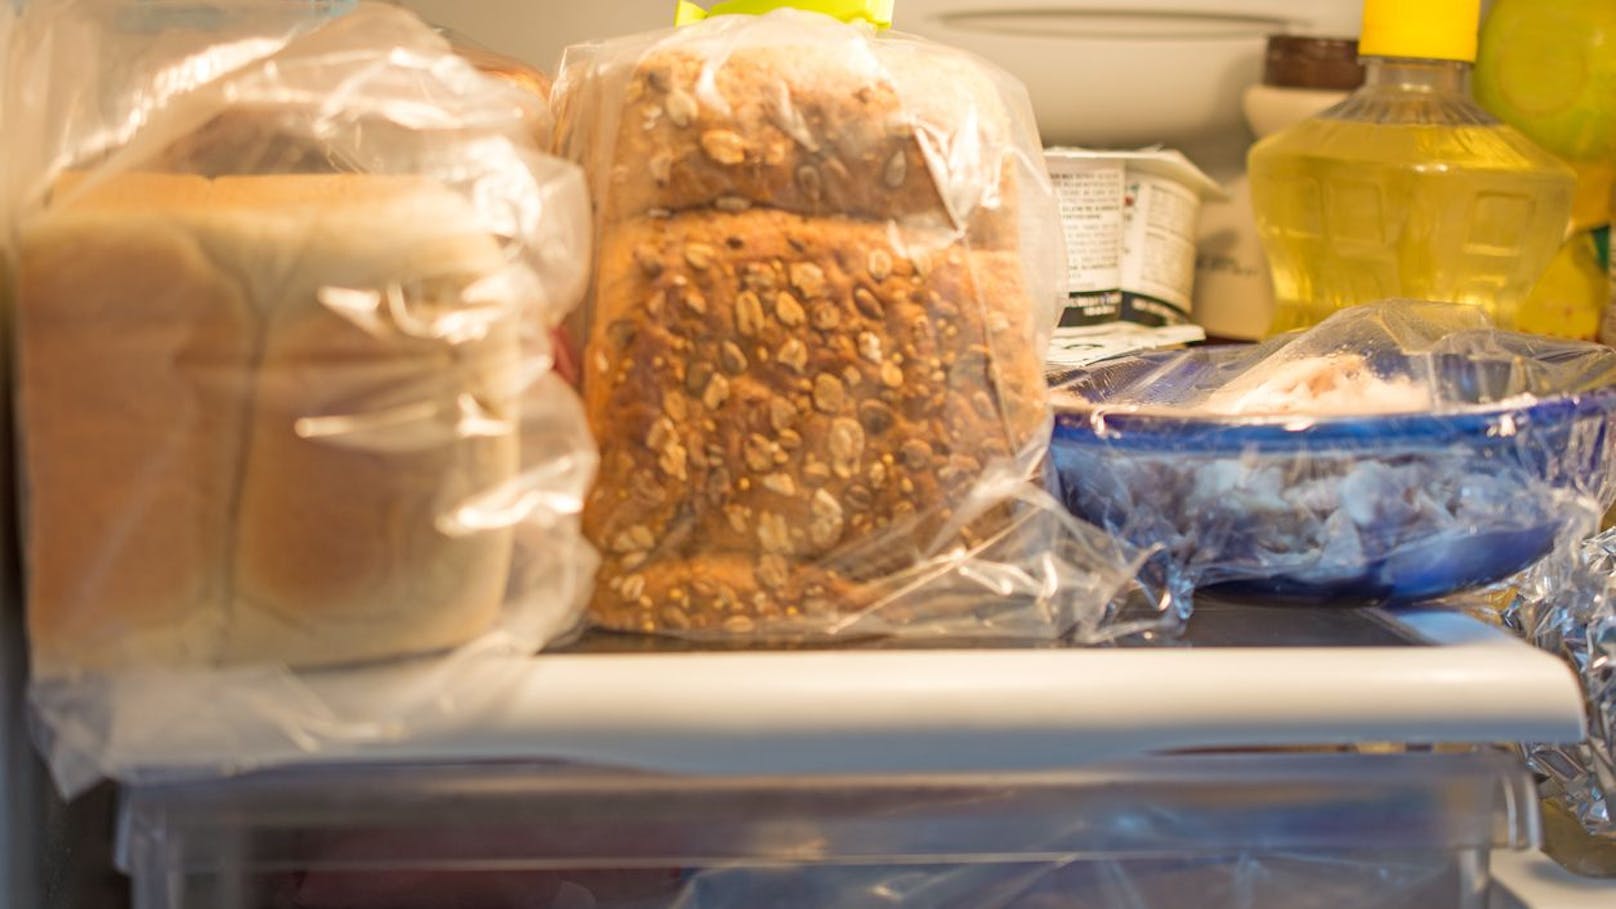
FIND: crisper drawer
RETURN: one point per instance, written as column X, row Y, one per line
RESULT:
column 1254, row 831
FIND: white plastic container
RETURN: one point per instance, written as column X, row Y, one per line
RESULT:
column 1271, row 108
column 1234, row 295
column 1130, row 220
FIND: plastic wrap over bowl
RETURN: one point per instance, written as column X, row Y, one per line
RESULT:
column 1502, row 447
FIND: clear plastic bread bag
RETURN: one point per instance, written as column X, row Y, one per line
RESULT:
column 287, row 419
column 828, row 260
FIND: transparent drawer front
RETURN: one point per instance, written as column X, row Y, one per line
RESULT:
column 1256, row 831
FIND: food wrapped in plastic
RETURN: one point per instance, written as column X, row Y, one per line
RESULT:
column 1393, row 453
column 1567, row 606
column 511, row 70
column 284, row 288
column 539, row 84
column 828, row 265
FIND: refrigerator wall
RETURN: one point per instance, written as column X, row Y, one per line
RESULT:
column 1171, row 71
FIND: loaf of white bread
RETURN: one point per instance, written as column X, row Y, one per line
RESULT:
column 245, row 403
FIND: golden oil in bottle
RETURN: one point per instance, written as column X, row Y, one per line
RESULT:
column 1408, row 188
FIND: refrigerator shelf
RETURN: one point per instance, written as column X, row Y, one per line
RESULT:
column 1417, row 677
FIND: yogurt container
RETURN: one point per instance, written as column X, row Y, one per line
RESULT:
column 1130, row 222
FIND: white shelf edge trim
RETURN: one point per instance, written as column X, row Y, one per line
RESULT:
column 964, row 711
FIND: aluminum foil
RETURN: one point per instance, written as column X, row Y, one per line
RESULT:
column 1567, row 606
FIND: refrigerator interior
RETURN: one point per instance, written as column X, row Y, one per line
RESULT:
column 1187, row 61
column 1262, row 828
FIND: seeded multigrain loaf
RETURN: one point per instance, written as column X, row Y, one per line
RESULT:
column 772, row 391
column 819, row 280
column 803, row 127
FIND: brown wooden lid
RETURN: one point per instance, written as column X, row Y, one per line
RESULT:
column 1297, row 61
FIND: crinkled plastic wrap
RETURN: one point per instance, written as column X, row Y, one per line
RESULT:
column 286, row 276
column 1394, row 453
column 827, row 272
column 1567, row 606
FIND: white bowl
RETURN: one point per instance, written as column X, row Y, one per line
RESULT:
column 1118, row 73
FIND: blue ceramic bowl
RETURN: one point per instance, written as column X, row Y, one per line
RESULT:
column 1347, row 510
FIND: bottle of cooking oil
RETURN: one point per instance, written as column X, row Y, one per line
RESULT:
column 1408, row 188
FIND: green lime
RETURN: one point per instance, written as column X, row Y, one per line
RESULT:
column 1548, row 68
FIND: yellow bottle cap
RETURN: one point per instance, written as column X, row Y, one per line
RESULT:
column 1428, row 29
column 875, row 12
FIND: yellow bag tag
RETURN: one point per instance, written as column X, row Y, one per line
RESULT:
column 875, row 12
